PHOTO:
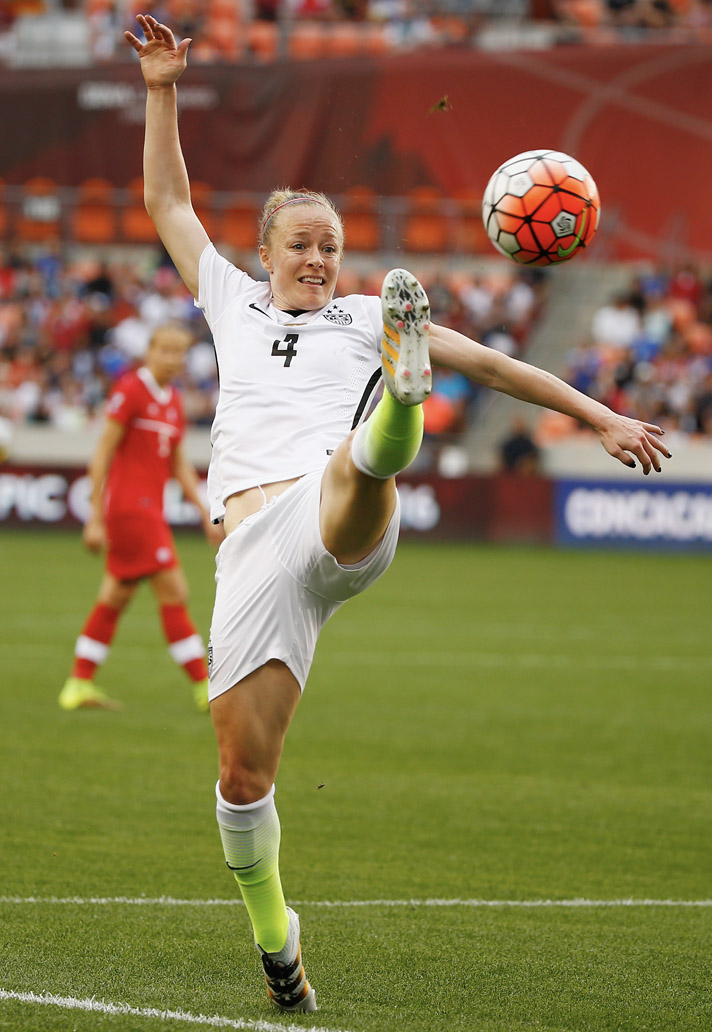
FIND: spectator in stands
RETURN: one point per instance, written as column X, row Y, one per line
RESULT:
column 518, row 452
column 660, row 367
column 617, row 323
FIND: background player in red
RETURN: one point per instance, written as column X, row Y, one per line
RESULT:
column 139, row 450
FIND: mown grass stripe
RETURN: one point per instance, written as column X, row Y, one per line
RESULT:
column 170, row 901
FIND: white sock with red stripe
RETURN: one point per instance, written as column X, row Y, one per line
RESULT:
column 184, row 643
column 93, row 643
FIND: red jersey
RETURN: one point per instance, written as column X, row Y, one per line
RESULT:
column 143, row 462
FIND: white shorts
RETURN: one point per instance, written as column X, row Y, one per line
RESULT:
column 277, row 586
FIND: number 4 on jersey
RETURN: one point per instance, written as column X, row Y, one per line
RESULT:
column 287, row 353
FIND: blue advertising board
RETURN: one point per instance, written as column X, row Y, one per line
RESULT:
column 649, row 515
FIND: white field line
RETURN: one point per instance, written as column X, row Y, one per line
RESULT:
column 102, row 1007
column 171, row 901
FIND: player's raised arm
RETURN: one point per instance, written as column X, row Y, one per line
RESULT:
column 624, row 438
column 166, row 183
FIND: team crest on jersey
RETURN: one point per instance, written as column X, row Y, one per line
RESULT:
column 338, row 315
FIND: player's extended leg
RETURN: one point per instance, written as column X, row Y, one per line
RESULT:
column 93, row 644
column 251, row 721
column 184, row 643
column 358, row 490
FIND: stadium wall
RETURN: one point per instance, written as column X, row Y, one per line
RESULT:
column 501, row 508
column 505, row 508
column 582, row 499
column 637, row 117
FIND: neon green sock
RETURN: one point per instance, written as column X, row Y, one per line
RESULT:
column 390, row 438
column 250, row 836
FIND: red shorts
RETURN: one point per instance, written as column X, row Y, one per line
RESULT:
column 139, row 545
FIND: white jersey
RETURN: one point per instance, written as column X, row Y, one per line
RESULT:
column 291, row 387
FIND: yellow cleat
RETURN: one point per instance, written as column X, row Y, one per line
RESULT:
column 80, row 693
column 200, row 696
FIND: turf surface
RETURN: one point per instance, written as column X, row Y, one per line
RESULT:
column 483, row 725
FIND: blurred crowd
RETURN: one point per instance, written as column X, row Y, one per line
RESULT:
column 70, row 325
column 649, row 354
column 221, row 29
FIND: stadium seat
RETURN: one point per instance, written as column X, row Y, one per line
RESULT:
column 40, row 216
column 237, row 223
column 374, row 39
column 307, row 40
column 468, row 232
column 362, row 224
column 426, row 224
column 224, row 30
column 202, row 197
column 345, row 39
column 93, row 219
column 135, row 224
column 263, row 40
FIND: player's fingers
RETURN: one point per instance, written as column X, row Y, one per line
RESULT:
column 130, row 38
column 146, row 26
column 622, row 456
column 164, row 33
column 640, row 451
column 660, row 447
column 651, row 452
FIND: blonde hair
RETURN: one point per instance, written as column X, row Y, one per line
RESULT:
column 280, row 198
column 171, row 329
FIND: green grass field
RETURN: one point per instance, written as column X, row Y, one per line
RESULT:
column 511, row 725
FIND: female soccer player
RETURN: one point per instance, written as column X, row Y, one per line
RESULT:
column 138, row 451
column 304, row 486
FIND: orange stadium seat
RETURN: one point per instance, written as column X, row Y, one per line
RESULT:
column 237, row 224
column 135, row 224
column 345, row 39
column 308, row 40
column 93, row 220
column 263, row 40
column 468, row 232
column 202, row 197
column 224, row 29
column 41, row 212
column 362, row 224
column 374, row 39
column 426, row 224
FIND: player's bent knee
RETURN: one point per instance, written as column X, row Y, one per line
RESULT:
column 240, row 785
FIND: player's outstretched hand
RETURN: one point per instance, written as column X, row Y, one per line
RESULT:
column 162, row 62
column 627, row 439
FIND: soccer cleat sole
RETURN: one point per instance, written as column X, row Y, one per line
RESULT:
column 407, row 372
